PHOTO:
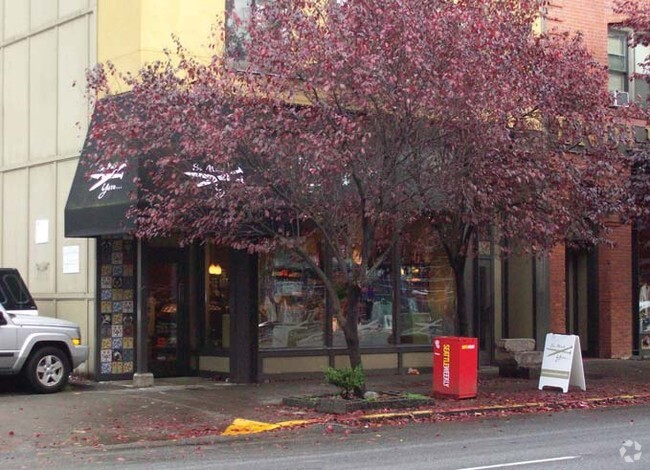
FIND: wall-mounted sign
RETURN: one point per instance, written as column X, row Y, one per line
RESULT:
column 562, row 363
column 41, row 231
column 104, row 180
column 71, row 259
column 208, row 175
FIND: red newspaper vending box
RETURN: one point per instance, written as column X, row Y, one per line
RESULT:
column 455, row 366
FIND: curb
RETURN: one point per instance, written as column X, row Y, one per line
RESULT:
column 242, row 427
column 487, row 408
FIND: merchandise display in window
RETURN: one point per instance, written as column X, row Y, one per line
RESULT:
column 427, row 292
column 375, row 314
column 217, row 315
column 292, row 302
column 427, row 302
column 643, row 238
column 163, row 315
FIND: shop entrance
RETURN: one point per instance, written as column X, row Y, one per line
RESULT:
column 581, row 317
column 167, row 317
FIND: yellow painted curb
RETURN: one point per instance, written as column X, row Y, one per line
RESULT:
column 405, row 414
column 514, row 406
column 241, row 426
column 245, row 426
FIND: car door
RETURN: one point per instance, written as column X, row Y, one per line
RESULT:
column 8, row 342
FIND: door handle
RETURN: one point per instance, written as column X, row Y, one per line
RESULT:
column 181, row 295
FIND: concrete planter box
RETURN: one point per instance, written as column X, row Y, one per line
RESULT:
column 337, row 405
column 517, row 357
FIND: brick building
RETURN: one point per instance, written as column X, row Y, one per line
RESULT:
column 595, row 293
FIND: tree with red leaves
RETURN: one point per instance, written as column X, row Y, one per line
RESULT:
column 352, row 121
column 636, row 14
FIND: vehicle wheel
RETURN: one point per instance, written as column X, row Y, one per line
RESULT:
column 47, row 370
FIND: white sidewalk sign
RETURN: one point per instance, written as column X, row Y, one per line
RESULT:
column 562, row 363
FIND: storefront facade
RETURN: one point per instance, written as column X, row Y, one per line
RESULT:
column 177, row 310
column 205, row 309
column 210, row 310
column 598, row 294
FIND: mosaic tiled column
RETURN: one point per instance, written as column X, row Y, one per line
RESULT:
column 117, row 300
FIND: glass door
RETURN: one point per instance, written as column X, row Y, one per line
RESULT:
column 166, row 312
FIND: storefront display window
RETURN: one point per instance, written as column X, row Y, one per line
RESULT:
column 427, row 292
column 644, row 289
column 164, row 312
column 375, row 313
column 291, row 301
column 217, row 314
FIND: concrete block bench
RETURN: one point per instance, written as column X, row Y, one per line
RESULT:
column 516, row 357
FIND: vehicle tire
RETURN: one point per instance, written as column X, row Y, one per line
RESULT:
column 47, row 370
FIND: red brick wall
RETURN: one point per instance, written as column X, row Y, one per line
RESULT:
column 557, row 289
column 588, row 16
column 615, row 295
column 591, row 17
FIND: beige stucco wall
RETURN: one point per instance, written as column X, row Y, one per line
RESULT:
column 214, row 364
column 287, row 365
column 369, row 361
column 134, row 32
column 46, row 46
column 418, row 359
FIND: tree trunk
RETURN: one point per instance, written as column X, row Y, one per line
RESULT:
column 351, row 331
column 461, row 321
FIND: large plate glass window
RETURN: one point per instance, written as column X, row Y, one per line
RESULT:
column 291, row 300
column 428, row 300
column 217, row 290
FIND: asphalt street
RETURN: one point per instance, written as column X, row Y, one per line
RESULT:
column 578, row 439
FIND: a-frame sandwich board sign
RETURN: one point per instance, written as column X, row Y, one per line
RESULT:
column 562, row 363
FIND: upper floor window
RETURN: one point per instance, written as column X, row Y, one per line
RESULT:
column 624, row 63
column 237, row 24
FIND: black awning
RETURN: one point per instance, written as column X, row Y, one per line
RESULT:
column 103, row 188
column 100, row 195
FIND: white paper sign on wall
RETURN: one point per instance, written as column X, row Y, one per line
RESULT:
column 71, row 259
column 41, row 231
column 562, row 363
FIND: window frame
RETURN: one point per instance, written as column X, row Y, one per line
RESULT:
column 632, row 84
column 229, row 29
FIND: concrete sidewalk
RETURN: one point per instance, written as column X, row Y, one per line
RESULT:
column 91, row 414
